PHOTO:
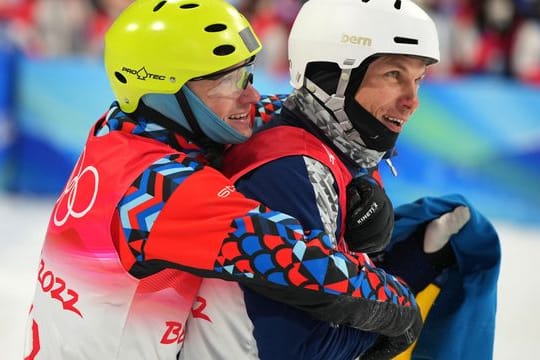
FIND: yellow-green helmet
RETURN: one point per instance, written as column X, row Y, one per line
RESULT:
column 156, row 46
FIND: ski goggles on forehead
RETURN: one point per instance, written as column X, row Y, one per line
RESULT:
column 230, row 83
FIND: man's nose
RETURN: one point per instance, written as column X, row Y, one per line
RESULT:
column 409, row 98
column 250, row 94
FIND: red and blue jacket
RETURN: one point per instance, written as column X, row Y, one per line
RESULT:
column 143, row 219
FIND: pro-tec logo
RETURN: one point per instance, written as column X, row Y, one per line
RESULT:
column 143, row 74
column 79, row 195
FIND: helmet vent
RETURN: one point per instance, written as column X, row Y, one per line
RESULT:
column 404, row 40
column 223, row 50
column 215, row 28
column 397, row 3
column 159, row 5
column 120, row 77
column 189, row 6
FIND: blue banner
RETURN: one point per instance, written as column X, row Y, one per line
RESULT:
column 7, row 83
column 476, row 136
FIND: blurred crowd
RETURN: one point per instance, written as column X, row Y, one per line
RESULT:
column 51, row 28
column 494, row 37
column 500, row 37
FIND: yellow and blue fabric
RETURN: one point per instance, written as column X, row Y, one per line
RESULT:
column 461, row 321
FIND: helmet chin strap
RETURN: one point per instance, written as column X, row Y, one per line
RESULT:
column 336, row 102
column 214, row 150
column 190, row 117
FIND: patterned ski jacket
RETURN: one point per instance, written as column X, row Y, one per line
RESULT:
column 142, row 219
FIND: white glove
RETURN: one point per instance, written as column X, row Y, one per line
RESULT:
column 439, row 231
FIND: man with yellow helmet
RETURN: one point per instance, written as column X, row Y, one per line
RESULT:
column 146, row 215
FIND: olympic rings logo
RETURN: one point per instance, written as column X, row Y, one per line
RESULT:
column 69, row 195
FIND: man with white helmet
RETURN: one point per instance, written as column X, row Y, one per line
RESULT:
column 145, row 214
column 355, row 77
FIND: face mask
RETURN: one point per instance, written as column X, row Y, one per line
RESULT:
column 212, row 126
column 375, row 135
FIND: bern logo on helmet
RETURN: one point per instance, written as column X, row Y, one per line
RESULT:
column 356, row 40
column 142, row 74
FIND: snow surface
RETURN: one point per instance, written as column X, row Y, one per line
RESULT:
column 23, row 222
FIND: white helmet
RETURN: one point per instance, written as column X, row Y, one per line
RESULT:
column 353, row 30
